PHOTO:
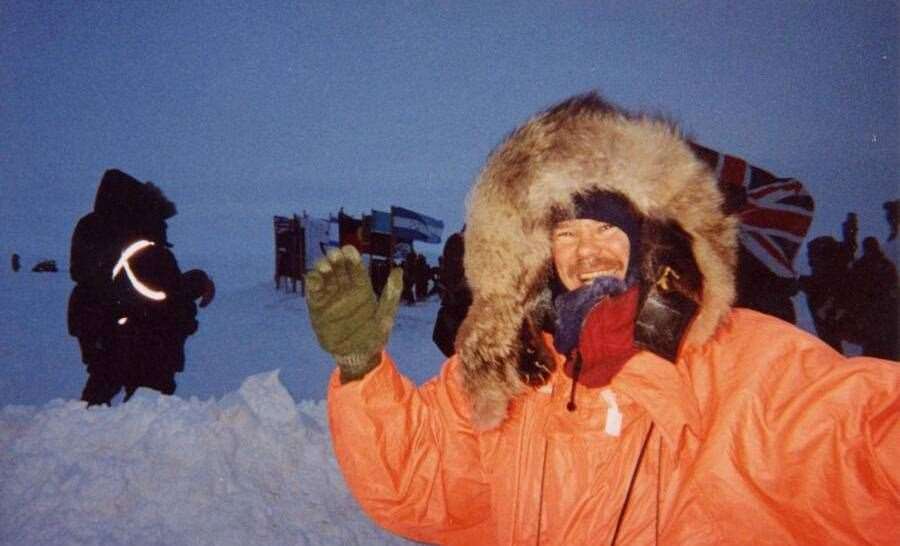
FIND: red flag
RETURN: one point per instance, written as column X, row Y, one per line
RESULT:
column 351, row 232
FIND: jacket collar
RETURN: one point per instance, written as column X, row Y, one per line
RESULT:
column 658, row 387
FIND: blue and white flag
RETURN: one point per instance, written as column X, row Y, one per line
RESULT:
column 318, row 238
column 381, row 222
column 412, row 226
column 334, row 231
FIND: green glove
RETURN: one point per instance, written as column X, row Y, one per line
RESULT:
column 349, row 322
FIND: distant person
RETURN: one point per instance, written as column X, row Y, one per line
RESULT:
column 455, row 295
column 873, row 306
column 892, row 215
column 421, row 272
column 132, row 308
column 760, row 289
column 45, row 266
column 409, row 268
column 378, row 271
column 823, row 287
column 849, row 244
column 434, row 273
column 16, row 263
column 892, row 243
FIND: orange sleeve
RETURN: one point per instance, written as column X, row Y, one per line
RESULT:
column 801, row 439
column 882, row 432
column 409, row 455
column 840, row 433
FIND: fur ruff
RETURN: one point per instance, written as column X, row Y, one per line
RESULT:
column 580, row 145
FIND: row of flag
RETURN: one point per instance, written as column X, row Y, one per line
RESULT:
column 379, row 233
column 775, row 214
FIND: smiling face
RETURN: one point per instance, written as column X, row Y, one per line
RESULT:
column 586, row 249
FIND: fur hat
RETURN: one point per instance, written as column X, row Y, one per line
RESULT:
column 533, row 179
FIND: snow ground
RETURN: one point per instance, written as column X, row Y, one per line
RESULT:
column 240, row 455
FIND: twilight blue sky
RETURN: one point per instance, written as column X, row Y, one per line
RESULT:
column 242, row 110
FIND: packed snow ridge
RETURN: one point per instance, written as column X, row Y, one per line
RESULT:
column 251, row 468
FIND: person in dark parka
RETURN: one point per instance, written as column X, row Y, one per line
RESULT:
column 409, row 284
column 132, row 308
column 455, row 295
column 420, row 277
column 873, row 307
column 825, row 287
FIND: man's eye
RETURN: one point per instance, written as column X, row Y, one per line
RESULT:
column 563, row 234
column 604, row 227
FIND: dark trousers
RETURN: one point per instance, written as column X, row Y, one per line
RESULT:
column 101, row 387
column 130, row 362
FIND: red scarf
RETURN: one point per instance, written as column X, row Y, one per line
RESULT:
column 606, row 341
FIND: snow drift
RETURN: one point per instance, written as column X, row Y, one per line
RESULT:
column 251, row 468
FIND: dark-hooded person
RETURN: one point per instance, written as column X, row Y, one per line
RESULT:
column 874, row 302
column 604, row 389
column 132, row 308
column 455, row 295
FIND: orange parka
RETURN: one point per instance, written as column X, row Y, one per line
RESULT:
column 764, row 436
column 746, row 431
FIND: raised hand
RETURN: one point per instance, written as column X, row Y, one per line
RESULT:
column 349, row 322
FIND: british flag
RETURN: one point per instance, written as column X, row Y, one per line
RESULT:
column 775, row 213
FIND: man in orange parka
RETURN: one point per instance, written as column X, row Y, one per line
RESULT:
column 604, row 390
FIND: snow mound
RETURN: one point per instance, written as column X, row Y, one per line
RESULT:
column 251, row 468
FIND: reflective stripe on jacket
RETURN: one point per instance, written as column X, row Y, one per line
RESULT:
column 764, row 435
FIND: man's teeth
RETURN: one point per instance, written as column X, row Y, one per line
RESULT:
column 587, row 277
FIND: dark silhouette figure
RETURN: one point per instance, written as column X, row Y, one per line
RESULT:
column 409, row 278
column 760, row 289
column 872, row 309
column 379, row 270
column 434, row 275
column 849, row 244
column 132, row 308
column 891, row 247
column 892, row 215
column 421, row 271
column 824, row 288
column 45, row 266
column 16, row 263
column 456, row 297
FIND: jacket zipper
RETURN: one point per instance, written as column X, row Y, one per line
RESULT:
column 541, row 497
column 631, row 481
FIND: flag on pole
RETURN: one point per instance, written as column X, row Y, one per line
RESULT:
column 351, row 232
column 318, row 238
column 774, row 213
column 334, row 231
column 412, row 226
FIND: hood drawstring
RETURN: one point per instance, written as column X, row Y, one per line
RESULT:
column 576, row 371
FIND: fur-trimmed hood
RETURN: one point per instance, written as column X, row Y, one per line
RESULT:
column 581, row 145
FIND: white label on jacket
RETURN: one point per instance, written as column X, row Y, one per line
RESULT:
column 613, row 415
